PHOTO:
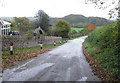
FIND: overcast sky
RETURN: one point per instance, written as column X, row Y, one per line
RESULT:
column 54, row 8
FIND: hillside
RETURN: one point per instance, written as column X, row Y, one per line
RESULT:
column 12, row 18
column 80, row 20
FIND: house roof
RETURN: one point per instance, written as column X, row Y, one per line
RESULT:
column 1, row 21
column 4, row 22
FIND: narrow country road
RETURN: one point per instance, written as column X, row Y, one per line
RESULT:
column 64, row 63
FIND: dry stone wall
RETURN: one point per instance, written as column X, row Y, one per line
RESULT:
column 23, row 42
column 51, row 39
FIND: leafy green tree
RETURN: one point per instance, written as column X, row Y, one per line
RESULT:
column 62, row 29
column 22, row 24
column 42, row 21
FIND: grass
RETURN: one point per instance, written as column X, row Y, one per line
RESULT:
column 77, row 29
column 15, row 51
column 99, row 27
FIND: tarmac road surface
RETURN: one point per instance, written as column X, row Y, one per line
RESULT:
column 64, row 63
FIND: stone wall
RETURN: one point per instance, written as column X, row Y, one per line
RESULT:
column 51, row 39
column 23, row 42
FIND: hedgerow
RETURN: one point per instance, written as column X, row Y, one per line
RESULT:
column 103, row 44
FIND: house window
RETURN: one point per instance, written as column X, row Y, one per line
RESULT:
column 2, row 32
column 4, row 26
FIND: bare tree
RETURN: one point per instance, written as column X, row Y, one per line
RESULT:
column 104, row 4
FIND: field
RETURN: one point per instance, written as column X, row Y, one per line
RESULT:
column 77, row 29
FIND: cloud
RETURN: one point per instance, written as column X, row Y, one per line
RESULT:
column 54, row 8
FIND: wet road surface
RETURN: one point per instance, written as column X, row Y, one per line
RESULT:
column 64, row 63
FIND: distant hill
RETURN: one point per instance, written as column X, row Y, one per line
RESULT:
column 11, row 18
column 7, row 18
column 80, row 20
column 74, row 20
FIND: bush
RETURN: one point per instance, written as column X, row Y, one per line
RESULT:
column 91, row 27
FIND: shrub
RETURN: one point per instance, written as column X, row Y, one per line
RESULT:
column 91, row 27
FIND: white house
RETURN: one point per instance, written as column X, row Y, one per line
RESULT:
column 4, row 27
